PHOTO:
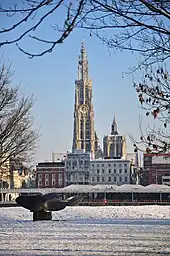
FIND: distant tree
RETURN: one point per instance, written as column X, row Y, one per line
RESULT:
column 154, row 96
column 18, row 138
column 139, row 26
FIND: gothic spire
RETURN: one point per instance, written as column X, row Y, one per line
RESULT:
column 114, row 119
column 114, row 127
column 83, row 64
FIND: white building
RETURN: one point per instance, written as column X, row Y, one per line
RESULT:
column 77, row 167
column 58, row 157
column 109, row 171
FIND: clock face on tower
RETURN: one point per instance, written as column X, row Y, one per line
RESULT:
column 83, row 109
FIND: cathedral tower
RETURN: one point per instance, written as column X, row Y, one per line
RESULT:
column 84, row 136
column 114, row 145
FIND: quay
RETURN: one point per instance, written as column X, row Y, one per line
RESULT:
column 97, row 195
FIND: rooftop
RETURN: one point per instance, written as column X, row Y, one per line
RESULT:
column 114, row 188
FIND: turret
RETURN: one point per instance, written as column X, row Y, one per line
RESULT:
column 114, row 127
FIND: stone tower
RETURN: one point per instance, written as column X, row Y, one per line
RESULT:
column 114, row 145
column 84, row 135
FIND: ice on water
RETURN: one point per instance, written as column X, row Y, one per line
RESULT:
column 80, row 231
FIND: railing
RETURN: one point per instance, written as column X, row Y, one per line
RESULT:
column 102, row 203
column 29, row 190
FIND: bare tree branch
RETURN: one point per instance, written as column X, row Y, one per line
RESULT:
column 140, row 26
column 17, row 136
column 154, row 97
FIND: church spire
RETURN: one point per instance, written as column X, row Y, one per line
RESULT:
column 114, row 127
column 84, row 137
column 83, row 64
column 114, row 119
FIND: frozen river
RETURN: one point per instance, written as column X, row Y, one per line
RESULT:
column 139, row 231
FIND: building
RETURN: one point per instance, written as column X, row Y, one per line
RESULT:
column 5, row 175
column 114, row 145
column 13, row 173
column 50, row 174
column 109, row 171
column 77, row 167
column 131, row 157
column 84, row 135
column 58, row 157
column 156, row 169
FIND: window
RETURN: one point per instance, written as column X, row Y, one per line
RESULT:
column 125, row 179
column 39, row 183
column 120, row 165
column 97, row 165
column 120, row 170
column 68, row 176
column 120, row 179
column 86, row 175
column 102, row 170
column 125, row 165
column 98, row 171
column 39, row 176
column 98, row 179
column 125, row 170
column 109, row 179
column 53, row 179
column 102, row 165
column 92, row 179
column 46, row 182
column 46, row 179
column 46, row 176
column 109, row 165
column 92, row 165
column 114, row 165
column 102, row 179
column 114, row 179
column 109, row 170
column 114, row 170
column 60, row 179
column 53, row 182
column 86, row 162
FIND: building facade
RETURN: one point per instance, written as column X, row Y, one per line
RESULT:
column 77, row 167
column 58, row 157
column 156, row 169
column 110, row 171
column 50, row 174
column 13, row 174
column 114, row 145
column 84, row 135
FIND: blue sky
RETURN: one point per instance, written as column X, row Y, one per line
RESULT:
column 52, row 79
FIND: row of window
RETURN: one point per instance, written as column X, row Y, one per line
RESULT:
column 109, row 165
column 110, row 179
column 53, row 183
column 54, row 176
column 78, row 162
column 98, row 171
column 85, row 175
column 47, row 175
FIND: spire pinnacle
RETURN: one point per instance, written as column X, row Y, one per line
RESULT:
column 114, row 126
column 114, row 119
column 83, row 64
column 82, row 44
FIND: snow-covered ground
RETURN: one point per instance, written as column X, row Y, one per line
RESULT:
column 85, row 231
column 86, row 212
